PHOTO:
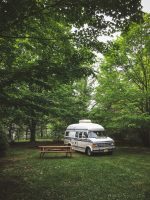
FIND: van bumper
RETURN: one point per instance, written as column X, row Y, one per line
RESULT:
column 106, row 150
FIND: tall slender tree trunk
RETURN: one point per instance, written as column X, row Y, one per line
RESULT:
column 10, row 131
column 41, row 132
column 32, row 131
column 26, row 133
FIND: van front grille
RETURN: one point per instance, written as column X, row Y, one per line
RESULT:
column 104, row 144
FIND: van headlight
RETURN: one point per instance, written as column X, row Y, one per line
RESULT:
column 112, row 143
column 94, row 145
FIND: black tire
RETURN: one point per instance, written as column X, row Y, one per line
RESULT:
column 88, row 152
column 110, row 153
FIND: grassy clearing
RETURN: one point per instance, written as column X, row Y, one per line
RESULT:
column 123, row 176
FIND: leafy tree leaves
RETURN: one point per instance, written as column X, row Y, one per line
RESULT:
column 123, row 94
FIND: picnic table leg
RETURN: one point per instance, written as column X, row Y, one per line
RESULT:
column 69, row 153
column 42, row 154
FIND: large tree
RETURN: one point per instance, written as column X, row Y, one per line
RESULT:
column 123, row 95
column 33, row 70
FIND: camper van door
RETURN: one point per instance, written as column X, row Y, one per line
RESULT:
column 81, row 140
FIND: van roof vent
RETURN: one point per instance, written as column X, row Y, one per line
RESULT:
column 85, row 121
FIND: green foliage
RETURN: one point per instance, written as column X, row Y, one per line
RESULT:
column 31, row 72
column 72, row 102
column 40, row 52
column 16, row 15
column 123, row 94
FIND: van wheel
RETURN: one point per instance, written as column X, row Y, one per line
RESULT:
column 110, row 153
column 88, row 152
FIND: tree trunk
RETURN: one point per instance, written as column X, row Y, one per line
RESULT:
column 10, row 131
column 41, row 132
column 32, row 131
column 27, row 133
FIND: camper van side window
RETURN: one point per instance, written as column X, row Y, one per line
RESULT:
column 80, row 135
column 67, row 133
column 85, row 135
column 76, row 135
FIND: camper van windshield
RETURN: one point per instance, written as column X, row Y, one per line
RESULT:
column 96, row 134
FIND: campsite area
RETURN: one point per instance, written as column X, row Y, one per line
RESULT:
column 74, row 75
column 124, row 175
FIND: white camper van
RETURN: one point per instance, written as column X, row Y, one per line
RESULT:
column 88, row 137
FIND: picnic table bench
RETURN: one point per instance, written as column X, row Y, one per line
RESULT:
column 55, row 149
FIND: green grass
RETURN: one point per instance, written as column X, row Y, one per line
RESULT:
column 123, row 176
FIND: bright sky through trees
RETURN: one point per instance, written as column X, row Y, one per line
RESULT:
column 146, row 5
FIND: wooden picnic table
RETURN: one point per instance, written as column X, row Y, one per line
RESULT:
column 55, row 149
